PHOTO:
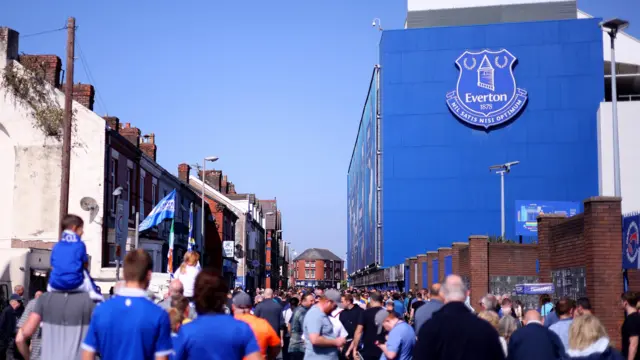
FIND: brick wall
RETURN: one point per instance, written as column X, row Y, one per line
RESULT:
column 463, row 262
column 512, row 259
column 413, row 286
column 456, row 247
column 591, row 241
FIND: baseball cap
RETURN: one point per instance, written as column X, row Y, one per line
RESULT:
column 381, row 315
column 333, row 295
column 15, row 297
column 242, row 300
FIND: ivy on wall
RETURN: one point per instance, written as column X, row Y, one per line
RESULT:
column 30, row 90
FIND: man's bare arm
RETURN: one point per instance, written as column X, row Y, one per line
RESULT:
column 633, row 347
column 30, row 327
column 21, row 344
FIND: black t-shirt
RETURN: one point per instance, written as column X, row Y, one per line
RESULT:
column 630, row 327
column 350, row 318
column 371, row 333
column 416, row 305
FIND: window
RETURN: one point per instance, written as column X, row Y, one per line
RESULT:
column 131, row 181
column 306, row 274
column 142, row 174
column 114, row 182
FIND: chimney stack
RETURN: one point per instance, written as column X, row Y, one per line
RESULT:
column 183, row 172
column 212, row 178
column 113, row 122
column 84, row 94
column 130, row 133
column 232, row 189
column 224, row 185
column 8, row 46
column 148, row 145
column 47, row 67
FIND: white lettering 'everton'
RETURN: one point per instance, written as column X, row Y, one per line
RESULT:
column 470, row 98
column 486, row 94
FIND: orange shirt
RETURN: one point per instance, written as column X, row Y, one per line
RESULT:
column 265, row 335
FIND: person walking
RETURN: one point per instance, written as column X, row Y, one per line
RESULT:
column 36, row 339
column 214, row 335
column 270, row 310
column 454, row 332
column 176, row 289
column 130, row 326
column 415, row 305
column 369, row 331
column 631, row 326
column 296, row 343
column 349, row 318
column 63, row 320
column 425, row 312
column 534, row 341
column 8, row 321
column 583, row 307
column 187, row 273
column 268, row 340
column 564, row 309
column 588, row 340
column 321, row 342
column 400, row 341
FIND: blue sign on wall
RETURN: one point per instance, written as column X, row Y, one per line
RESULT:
column 434, row 271
column 486, row 94
column 528, row 211
column 630, row 248
column 425, row 280
column 448, row 265
column 431, row 156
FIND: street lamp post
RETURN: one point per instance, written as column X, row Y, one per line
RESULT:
column 204, row 168
column 501, row 170
column 612, row 27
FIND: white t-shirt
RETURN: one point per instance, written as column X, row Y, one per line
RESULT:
column 188, row 278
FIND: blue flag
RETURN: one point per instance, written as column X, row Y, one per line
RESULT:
column 165, row 209
column 192, row 242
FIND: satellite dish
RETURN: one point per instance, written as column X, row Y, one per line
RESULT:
column 89, row 204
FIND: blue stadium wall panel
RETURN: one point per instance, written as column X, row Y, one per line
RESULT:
column 437, row 188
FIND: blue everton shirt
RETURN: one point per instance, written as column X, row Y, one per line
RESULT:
column 215, row 337
column 129, row 326
column 67, row 260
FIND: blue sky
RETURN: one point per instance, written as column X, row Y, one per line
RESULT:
column 274, row 88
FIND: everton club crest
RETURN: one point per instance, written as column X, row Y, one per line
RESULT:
column 486, row 94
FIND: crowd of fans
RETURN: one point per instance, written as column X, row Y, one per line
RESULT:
column 201, row 318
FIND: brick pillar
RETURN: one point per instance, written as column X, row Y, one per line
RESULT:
column 431, row 255
column 422, row 259
column 478, row 268
column 455, row 256
column 442, row 253
column 546, row 222
column 603, row 255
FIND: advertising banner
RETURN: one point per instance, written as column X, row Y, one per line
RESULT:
column 228, row 249
column 630, row 258
column 361, row 189
column 527, row 212
column 535, row 289
column 122, row 226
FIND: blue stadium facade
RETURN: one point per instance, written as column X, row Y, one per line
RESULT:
column 433, row 174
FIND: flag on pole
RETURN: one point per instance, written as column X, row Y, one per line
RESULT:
column 191, row 242
column 170, row 252
column 165, row 209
